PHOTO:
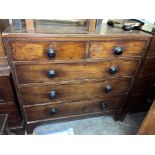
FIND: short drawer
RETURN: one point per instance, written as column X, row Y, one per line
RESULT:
column 149, row 66
column 5, row 90
column 116, row 49
column 28, row 51
column 36, row 73
column 53, row 111
column 145, row 84
column 44, row 93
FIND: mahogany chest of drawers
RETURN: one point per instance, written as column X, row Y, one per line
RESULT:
column 66, row 76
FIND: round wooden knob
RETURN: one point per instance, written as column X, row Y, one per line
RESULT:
column 51, row 53
column 53, row 111
column 53, row 94
column 113, row 70
column 118, row 50
column 107, row 89
column 52, row 73
column 103, row 105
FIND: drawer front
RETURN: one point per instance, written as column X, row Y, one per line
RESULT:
column 116, row 49
column 68, row 109
column 76, row 91
column 74, row 71
column 10, row 108
column 5, row 90
column 149, row 66
column 145, row 84
column 25, row 51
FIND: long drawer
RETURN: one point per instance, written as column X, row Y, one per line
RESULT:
column 29, row 51
column 52, row 111
column 36, row 73
column 116, row 49
column 43, row 93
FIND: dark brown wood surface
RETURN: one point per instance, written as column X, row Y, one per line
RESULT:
column 73, row 108
column 36, row 73
column 140, row 102
column 5, row 89
column 144, row 84
column 151, row 50
column 79, row 61
column 11, row 109
column 38, row 50
column 8, row 102
column 36, row 94
column 149, row 66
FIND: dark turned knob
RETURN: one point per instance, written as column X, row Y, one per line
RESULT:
column 107, row 89
column 113, row 70
column 103, row 106
column 52, row 73
column 53, row 94
column 53, row 111
column 118, row 50
column 51, row 53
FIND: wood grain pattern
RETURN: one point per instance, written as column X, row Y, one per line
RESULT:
column 149, row 66
column 73, row 108
column 36, row 73
column 36, row 94
column 148, row 125
column 79, row 57
column 38, row 50
column 106, row 49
